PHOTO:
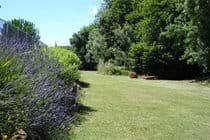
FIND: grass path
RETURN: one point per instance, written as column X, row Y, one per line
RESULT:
column 126, row 109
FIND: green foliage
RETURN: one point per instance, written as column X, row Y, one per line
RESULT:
column 137, row 53
column 119, row 35
column 123, row 37
column 197, row 24
column 157, row 61
column 106, row 68
column 79, row 42
column 37, row 93
column 5, row 66
column 109, row 68
column 66, row 57
column 96, row 47
column 27, row 27
column 71, row 64
column 29, row 94
column 157, row 37
column 15, row 86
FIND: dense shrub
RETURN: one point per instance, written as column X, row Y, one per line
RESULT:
column 160, row 61
column 34, row 95
column 167, row 64
column 137, row 53
column 70, row 61
column 106, row 68
column 7, row 70
column 12, row 85
column 109, row 68
column 121, row 70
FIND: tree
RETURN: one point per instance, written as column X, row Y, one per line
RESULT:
column 137, row 52
column 96, row 47
column 123, row 39
column 29, row 29
column 112, row 16
column 198, row 32
column 169, row 39
column 78, row 42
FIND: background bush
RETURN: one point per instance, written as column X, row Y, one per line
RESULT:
column 161, row 61
column 109, row 68
column 169, row 39
column 137, row 54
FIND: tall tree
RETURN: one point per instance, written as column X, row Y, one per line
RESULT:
column 78, row 42
column 96, row 47
column 198, row 32
column 167, row 38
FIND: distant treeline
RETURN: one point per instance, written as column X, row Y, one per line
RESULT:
column 170, row 39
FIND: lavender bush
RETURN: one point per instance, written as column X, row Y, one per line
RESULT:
column 33, row 94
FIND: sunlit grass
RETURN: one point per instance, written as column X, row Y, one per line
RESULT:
column 126, row 109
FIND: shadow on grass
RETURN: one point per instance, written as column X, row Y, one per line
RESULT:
column 82, row 111
column 203, row 80
column 83, row 84
column 200, row 79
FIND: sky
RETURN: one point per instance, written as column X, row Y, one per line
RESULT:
column 56, row 20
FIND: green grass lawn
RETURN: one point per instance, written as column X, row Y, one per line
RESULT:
column 125, row 109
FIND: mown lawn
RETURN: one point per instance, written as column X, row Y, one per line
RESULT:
column 125, row 109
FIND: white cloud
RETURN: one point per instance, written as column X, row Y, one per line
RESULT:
column 94, row 10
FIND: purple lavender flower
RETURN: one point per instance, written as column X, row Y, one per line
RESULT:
column 41, row 96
